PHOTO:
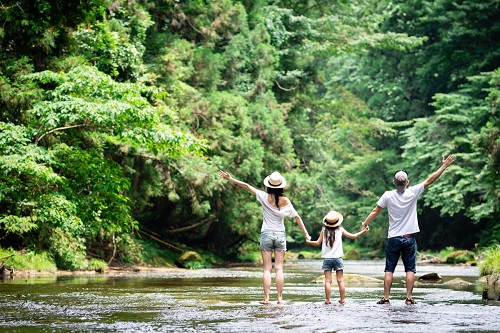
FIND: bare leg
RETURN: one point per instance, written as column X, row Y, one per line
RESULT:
column 266, row 277
column 328, row 287
column 340, row 282
column 387, row 284
column 410, row 281
column 279, row 257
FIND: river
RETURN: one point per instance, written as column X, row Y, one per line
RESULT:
column 227, row 300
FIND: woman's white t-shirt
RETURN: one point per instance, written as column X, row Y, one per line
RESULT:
column 273, row 218
column 402, row 209
column 336, row 250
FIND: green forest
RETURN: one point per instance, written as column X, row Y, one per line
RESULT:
column 115, row 116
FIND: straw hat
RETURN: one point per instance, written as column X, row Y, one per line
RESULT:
column 333, row 219
column 275, row 180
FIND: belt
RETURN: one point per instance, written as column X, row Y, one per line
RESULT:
column 407, row 235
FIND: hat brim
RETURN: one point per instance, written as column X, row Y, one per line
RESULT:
column 267, row 184
column 334, row 224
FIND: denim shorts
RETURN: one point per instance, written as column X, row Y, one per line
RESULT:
column 404, row 246
column 333, row 264
column 272, row 240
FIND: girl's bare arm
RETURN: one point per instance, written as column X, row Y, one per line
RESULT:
column 316, row 242
column 356, row 235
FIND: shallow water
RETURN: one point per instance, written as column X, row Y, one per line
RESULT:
column 226, row 300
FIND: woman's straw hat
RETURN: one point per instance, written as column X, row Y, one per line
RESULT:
column 333, row 219
column 275, row 180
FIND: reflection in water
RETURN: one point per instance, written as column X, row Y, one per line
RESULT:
column 226, row 300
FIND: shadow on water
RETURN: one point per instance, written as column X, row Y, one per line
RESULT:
column 226, row 300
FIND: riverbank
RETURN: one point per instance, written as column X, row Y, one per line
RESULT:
column 113, row 270
column 34, row 265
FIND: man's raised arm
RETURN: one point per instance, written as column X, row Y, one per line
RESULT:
column 436, row 174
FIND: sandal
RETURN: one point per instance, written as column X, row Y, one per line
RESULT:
column 384, row 301
column 410, row 301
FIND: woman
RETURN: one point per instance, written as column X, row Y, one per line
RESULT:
column 275, row 206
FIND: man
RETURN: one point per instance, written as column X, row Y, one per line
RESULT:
column 401, row 205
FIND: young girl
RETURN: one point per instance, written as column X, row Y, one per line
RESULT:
column 332, row 251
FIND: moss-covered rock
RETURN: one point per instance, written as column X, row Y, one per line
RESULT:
column 352, row 254
column 190, row 259
column 291, row 256
column 158, row 261
column 350, row 279
column 459, row 257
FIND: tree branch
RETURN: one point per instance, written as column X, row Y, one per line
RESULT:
column 59, row 129
column 114, row 250
column 176, row 231
column 285, row 89
column 173, row 247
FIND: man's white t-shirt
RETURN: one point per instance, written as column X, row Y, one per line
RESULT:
column 336, row 250
column 402, row 209
column 273, row 218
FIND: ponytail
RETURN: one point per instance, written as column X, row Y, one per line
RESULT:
column 329, row 235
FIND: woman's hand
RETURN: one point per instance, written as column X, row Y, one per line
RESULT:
column 224, row 175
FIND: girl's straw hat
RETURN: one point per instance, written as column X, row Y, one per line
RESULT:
column 275, row 180
column 333, row 219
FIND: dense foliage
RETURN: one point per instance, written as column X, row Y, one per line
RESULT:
column 116, row 115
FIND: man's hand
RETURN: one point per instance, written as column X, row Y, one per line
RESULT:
column 447, row 162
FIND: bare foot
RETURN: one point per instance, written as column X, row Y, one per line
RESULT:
column 264, row 302
column 280, row 301
column 328, row 302
column 341, row 302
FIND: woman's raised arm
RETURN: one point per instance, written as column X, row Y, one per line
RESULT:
column 227, row 176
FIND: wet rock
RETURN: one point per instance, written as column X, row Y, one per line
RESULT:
column 430, row 277
column 415, row 283
column 428, row 259
column 483, row 279
column 350, row 279
column 492, row 291
column 458, row 282
column 4, row 270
